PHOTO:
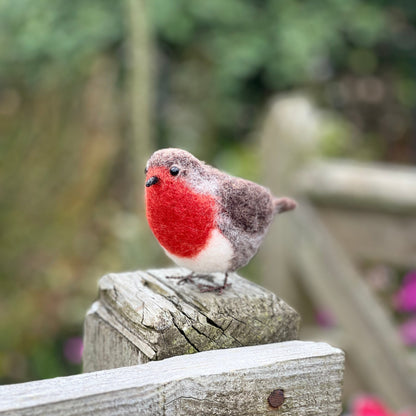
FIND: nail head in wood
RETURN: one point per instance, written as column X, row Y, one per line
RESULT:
column 276, row 398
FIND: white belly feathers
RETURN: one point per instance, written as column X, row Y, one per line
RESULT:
column 215, row 257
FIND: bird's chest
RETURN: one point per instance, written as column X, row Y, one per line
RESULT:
column 180, row 219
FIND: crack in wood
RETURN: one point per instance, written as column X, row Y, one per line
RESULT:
column 211, row 322
column 197, row 399
column 182, row 332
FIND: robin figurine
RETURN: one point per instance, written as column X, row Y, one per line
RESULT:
column 204, row 219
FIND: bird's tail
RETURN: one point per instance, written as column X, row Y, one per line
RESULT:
column 283, row 204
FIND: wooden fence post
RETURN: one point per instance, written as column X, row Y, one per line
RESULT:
column 288, row 140
column 145, row 316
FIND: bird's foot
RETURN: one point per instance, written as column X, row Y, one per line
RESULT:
column 210, row 288
column 183, row 279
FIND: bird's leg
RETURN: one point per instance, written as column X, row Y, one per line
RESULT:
column 189, row 278
column 211, row 288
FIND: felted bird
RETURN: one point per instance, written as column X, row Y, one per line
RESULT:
column 206, row 220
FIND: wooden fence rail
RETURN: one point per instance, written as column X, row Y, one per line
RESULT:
column 350, row 184
column 297, row 378
column 369, row 207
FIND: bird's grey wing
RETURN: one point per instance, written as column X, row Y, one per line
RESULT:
column 248, row 206
column 246, row 212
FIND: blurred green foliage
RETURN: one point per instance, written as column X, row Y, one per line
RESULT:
column 44, row 42
column 227, row 60
column 63, row 67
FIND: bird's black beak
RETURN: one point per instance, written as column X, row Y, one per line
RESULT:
column 152, row 181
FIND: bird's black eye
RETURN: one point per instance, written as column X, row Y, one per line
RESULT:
column 145, row 170
column 174, row 170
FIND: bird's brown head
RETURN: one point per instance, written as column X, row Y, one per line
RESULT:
column 167, row 167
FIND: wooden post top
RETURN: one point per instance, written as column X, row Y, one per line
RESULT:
column 162, row 318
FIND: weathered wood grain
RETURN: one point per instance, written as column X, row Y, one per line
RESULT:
column 142, row 316
column 235, row 381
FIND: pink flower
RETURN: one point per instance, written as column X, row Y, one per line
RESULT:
column 369, row 406
column 324, row 318
column 73, row 348
column 408, row 332
column 405, row 298
column 372, row 406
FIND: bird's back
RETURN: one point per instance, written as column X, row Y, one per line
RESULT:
column 246, row 212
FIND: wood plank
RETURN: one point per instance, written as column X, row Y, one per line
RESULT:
column 370, row 236
column 380, row 187
column 235, row 381
column 143, row 316
column 376, row 351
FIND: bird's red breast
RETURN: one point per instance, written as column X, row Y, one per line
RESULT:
column 181, row 219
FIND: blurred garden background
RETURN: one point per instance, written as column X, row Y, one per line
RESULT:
column 88, row 89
